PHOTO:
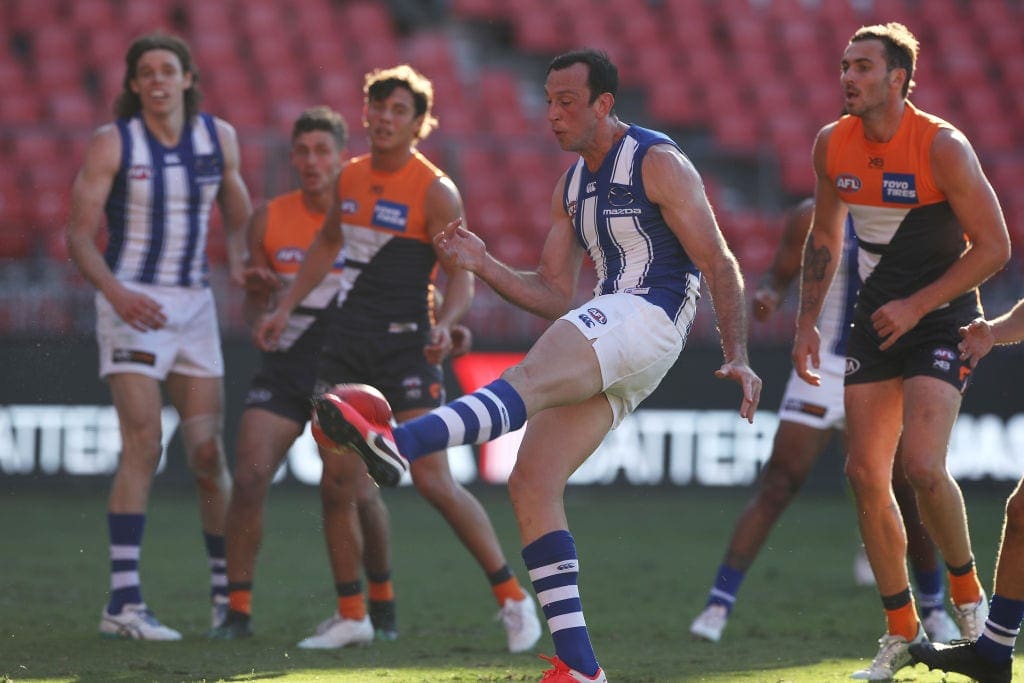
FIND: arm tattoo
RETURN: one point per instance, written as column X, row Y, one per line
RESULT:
column 817, row 262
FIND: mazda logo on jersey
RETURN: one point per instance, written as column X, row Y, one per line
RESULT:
column 619, row 195
column 390, row 215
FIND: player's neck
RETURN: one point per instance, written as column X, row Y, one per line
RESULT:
column 166, row 128
column 606, row 138
column 881, row 125
column 390, row 160
column 318, row 202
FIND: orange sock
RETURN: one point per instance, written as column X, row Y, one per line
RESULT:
column 509, row 589
column 352, row 607
column 903, row 621
column 381, row 591
column 240, row 600
column 965, row 589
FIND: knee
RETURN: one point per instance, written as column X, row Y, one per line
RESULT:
column 924, row 474
column 1015, row 513
column 206, row 459
column 780, row 484
column 250, row 483
column 865, row 482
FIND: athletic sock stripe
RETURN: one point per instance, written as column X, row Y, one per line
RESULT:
column 481, row 418
column 555, row 609
column 453, row 422
column 219, row 580
column 565, row 621
column 546, row 597
column 723, row 596
column 1002, row 630
column 125, row 552
column 498, row 413
column 999, row 637
column 123, row 580
column 571, row 566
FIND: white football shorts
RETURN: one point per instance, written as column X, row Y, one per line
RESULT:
column 189, row 344
column 820, row 407
column 636, row 344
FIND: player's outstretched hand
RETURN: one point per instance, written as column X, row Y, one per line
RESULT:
column 806, row 356
column 978, row 340
column 458, row 247
column 742, row 374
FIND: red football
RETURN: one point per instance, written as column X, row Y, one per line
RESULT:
column 370, row 403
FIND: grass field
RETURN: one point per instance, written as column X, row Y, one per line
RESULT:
column 646, row 556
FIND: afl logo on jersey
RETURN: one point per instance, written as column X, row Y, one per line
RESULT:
column 598, row 315
column 140, row 172
column 289, row 255
column 349, row 206
column 848, row 183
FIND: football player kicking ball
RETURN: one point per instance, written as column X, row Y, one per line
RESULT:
column 989, row 659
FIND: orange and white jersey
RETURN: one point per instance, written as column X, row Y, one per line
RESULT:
column 907, row 232
column 291, row 228
column 386, row 285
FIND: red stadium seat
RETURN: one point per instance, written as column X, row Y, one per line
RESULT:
column 73, row 109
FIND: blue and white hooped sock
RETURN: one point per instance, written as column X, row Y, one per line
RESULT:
column 727, row 585
column 1001, row 629
column 554, row 571
column 125, row 549
column 481, row 416
column 218, row 564
column 931, row 590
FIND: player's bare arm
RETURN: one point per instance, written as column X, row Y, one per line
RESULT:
column 89, row 194
column 786, row 262
column 260, row 280
column 959, row 176
column 235, row 205
column 316, row 263
column 820, row 258
column 672, row 182
column 546, row 291
column 442, row 206
column 981, row 335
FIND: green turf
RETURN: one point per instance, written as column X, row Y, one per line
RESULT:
column 646, row 556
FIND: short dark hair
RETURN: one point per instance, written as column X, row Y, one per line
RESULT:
column 603, row 76
column 380, row 83
column 900, row 45
column 322, row 118
column 128, row 103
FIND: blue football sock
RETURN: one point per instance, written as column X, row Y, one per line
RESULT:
column 554, row 569
column 931, row 590
column 1001, row 629
column 125, row 549
column 481, row 416
column 727, row 584
column 215, row 558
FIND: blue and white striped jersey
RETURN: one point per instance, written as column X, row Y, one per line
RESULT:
column 159, row 207
column 632, row 247
column 836, row 315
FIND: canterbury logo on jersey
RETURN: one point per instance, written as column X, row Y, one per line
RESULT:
column 899, row 188
column 390, row 215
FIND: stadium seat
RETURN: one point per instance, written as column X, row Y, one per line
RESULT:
column 73, row 109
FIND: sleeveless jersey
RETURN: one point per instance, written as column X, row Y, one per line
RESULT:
column 633, row 249
column 291, row 228
column 907, row 231
column 158, row 209
column 387, row 282
column 837, row 310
